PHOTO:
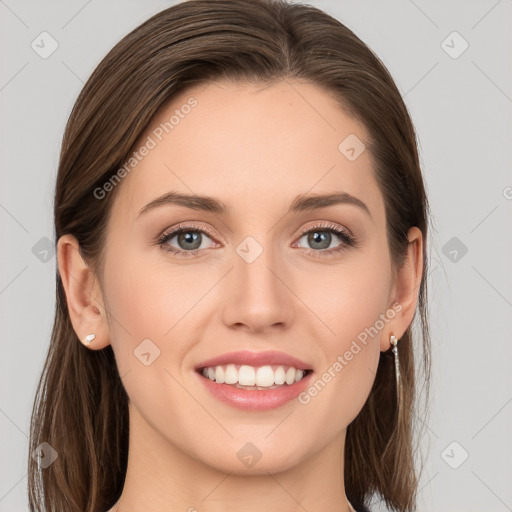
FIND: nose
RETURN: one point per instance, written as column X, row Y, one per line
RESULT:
column 257, row 294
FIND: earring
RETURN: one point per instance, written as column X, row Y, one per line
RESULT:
column 394, row 341
column 89, row 338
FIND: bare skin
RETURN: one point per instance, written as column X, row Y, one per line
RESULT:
column 256, row 149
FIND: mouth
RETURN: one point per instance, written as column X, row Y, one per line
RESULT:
column 253, row 378
column 255, row 381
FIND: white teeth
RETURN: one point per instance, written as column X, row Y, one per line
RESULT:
column 279, row 376
column 219, row 374
column 265, row 377
column 231, row 375
column 290, row 376
column 262, row 377
column 246, row 376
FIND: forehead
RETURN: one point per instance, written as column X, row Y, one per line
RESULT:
column 251, row 144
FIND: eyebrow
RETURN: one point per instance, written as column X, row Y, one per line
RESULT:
column 303, row 202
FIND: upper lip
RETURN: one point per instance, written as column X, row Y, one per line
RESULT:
column 256, row 359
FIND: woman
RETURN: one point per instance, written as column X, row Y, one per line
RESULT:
column 241, row 224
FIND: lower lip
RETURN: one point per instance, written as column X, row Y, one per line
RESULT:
column 256, row 400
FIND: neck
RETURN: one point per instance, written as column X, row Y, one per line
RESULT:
column 160, row 477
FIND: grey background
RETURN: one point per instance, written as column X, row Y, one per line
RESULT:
column 461, row 108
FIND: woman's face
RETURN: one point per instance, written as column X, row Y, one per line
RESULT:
column 252, row 278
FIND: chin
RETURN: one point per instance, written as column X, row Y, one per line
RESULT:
column 257, row 457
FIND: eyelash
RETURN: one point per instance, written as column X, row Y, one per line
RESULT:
column 347, row 238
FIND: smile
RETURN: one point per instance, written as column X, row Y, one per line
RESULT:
column 254, row 378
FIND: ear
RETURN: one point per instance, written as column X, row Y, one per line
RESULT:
column 404, row 293
column 83, row 294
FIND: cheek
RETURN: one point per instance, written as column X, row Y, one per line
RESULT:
column 350, row 298
column 151, row 298
column 145, row 288
column 147, row 298
column 144, row 300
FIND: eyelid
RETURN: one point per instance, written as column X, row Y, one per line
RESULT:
column 346, row 236
column 327, row 225
column 187, row 225
column 304, row 230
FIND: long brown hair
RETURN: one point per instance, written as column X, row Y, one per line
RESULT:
column 81, row 407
